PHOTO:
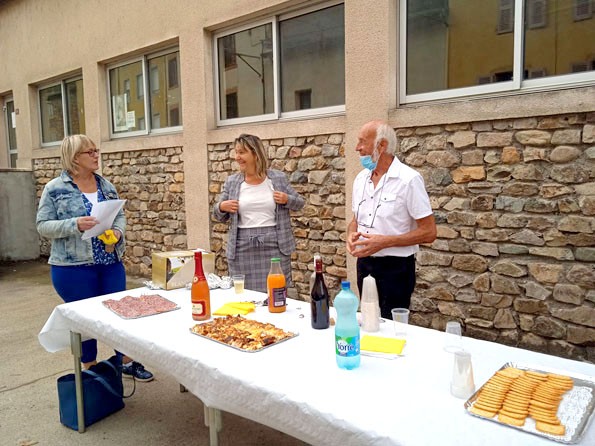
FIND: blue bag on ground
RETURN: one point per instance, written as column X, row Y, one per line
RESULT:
column 102, row 393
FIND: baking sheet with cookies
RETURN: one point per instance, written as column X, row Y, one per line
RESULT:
column 246, row 335
column 575, row 410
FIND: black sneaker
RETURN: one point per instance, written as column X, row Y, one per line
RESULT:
column 137, row 371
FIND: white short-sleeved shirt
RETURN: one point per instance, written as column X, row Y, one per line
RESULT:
column 257, row 206
column 392, row 207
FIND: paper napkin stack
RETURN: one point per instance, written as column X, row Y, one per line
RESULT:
column 233, row 308
column 379, row 346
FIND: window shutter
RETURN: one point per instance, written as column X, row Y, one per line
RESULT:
column 578, row 67
column 583, row 9
column 536, row 13
column 506, row 16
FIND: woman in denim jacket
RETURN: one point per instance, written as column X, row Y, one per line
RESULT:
column 83, row 268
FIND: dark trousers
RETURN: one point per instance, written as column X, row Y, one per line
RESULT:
column 79, row 282
column 395, row 280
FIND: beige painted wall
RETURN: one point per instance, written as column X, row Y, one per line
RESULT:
column 46, row 40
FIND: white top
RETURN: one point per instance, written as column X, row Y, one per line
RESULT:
column 92, row 197
column 392, row 207
column 257, row 207
column 404, row 401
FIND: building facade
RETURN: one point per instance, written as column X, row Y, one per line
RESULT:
column 493, row 102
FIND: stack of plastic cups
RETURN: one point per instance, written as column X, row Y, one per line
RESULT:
column 369, row 305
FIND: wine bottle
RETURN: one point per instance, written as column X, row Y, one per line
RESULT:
column 319, row 302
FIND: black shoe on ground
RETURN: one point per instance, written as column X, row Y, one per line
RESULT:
column 137, row 371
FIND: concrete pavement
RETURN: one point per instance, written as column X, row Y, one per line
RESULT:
column 158, row 414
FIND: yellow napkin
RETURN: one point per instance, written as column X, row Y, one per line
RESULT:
column 382, row 345
column 108, row 237
column 233, row 308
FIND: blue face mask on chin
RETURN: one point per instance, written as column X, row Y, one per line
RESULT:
column 367, row 161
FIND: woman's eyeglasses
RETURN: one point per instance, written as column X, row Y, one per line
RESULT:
column 92, row 152
column 246, row 140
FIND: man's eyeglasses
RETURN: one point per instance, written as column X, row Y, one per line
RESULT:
column 363, row 200
column 365, row 225
column 92, row 152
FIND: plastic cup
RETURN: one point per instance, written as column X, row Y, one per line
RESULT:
column 238, row 283
column 453, row 338
column 400, row 320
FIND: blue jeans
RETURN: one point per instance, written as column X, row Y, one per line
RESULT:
column 80, row 282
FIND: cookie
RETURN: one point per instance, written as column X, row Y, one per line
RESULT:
column 482, row 412
column 553, row 429
column 510, row 420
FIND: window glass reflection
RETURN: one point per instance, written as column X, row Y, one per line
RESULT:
column 312, row 48
column 458, row 43
column 52, row 118
column 246, row 72
column 126, row 108
column 559, row 38
column 165, row 91
column 75, row 107
column 12, row 134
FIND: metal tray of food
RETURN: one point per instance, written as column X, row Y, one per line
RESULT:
column 575, row 411
column 131, row 307
column 257, row 345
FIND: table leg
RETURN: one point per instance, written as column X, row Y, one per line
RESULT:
column 214, row 422
column 76, row 348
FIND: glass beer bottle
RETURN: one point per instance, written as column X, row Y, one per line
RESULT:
column 319, row 298
column 276, row 287
column 200, row 295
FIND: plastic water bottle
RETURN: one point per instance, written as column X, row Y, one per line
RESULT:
column 347, row 328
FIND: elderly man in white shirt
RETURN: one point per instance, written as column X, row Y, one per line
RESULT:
column 391, row 217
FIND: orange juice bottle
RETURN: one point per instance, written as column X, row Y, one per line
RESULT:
column 276, row 287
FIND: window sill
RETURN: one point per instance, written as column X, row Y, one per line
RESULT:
column 517, row 105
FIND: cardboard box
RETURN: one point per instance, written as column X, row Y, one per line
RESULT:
column 175, row 269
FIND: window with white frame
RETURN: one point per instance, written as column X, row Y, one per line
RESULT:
column 159, row 96
column 61, row 110
column 460, row 48
column 11, row 134
column 262, row 67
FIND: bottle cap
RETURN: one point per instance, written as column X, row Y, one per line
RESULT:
column 345, row 284
column 275, row 259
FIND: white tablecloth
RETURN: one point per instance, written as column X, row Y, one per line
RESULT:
column 296, row 387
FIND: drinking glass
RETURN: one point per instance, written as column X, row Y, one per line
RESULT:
column 462, row 384
column 238, row 283
column 453, row 338
column 400, row 319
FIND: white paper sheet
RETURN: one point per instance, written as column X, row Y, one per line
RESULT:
column 105, row 212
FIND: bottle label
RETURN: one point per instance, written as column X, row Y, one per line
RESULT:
column 347, row 346
column 279, row 297
column 198, row 308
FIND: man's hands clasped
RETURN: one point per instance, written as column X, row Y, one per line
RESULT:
column 364, row 245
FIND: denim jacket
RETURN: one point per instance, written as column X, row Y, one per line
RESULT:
column 60, row 205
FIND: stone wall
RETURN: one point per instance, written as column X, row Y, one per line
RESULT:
column 153, row 183
column 514, row 202
column 315, row 167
